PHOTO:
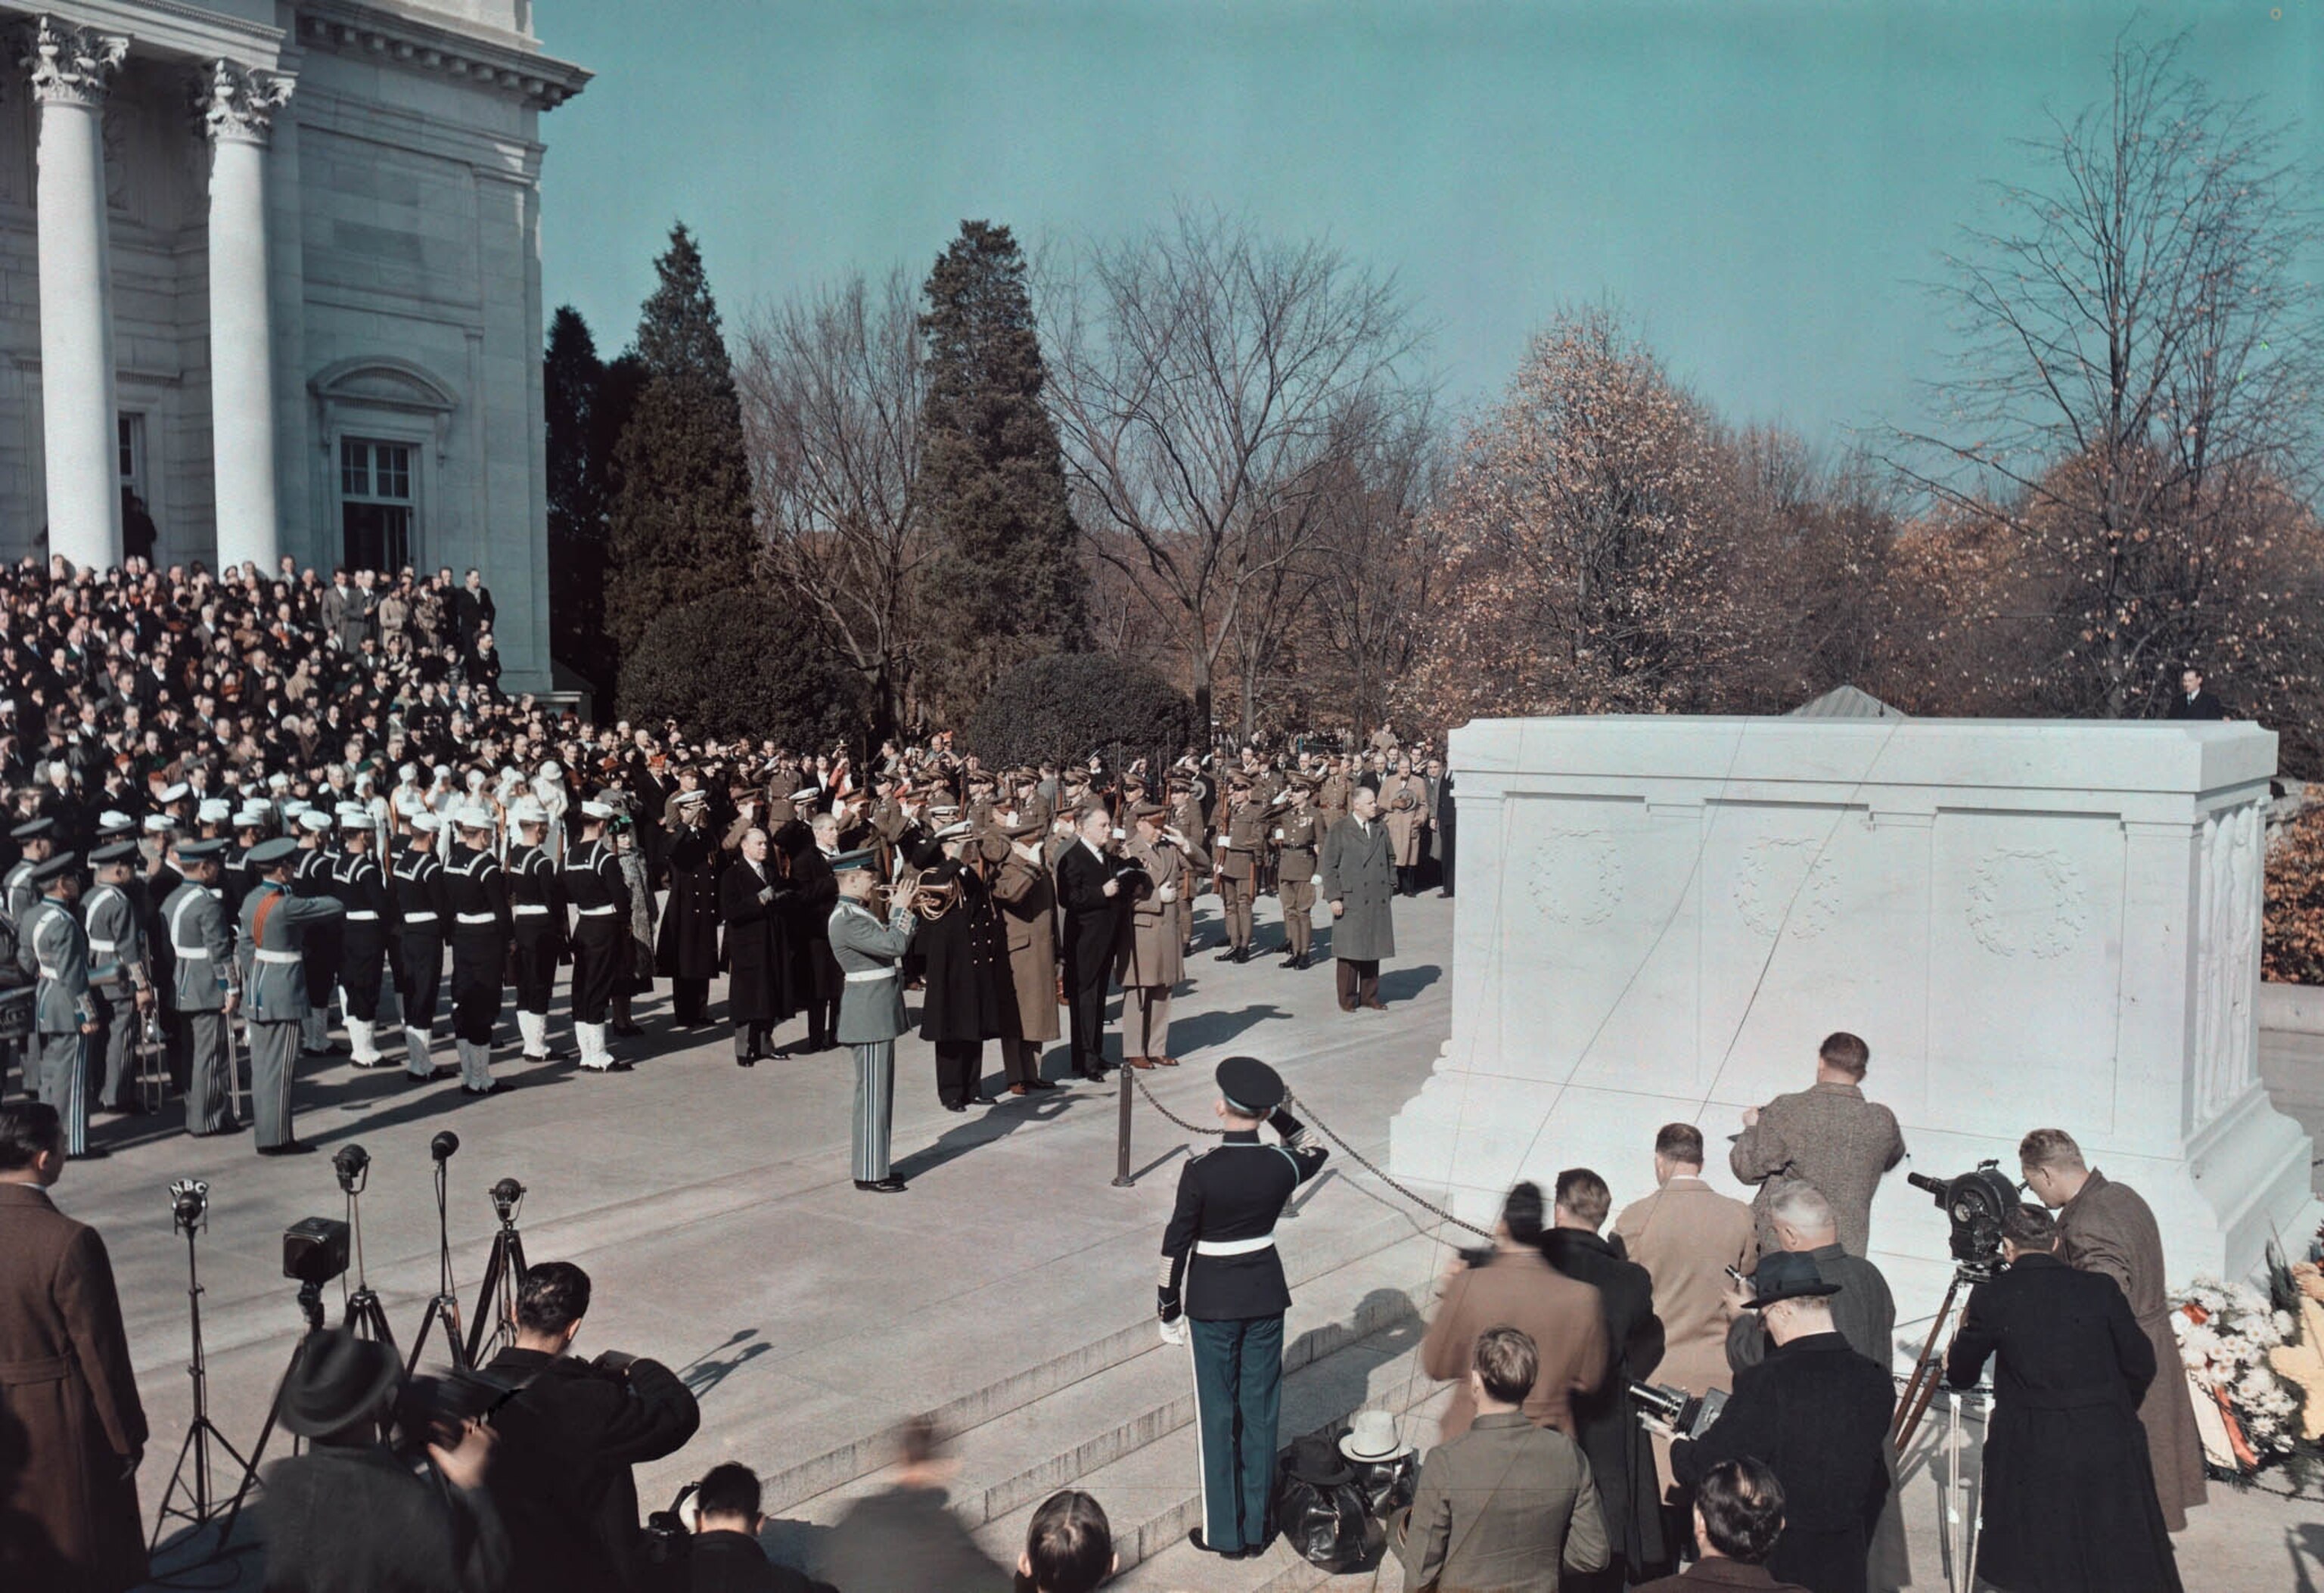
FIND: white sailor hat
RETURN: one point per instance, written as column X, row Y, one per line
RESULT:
column 177, row 793
column 252, row 818
column 310, row 819
column 552, row 770
column 278, row 781
column 159, row 823
column 112, row 819
column 214, row 810
column 407, row 771
column 443, row 771
column 347, row 810
column 296, row 805
column 525, row 810
column 356, row 819
column 596, row 810
column 474, row 818
column 475, row 779
column 425, row 823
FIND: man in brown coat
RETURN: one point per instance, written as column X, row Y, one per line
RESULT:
column 1829, row 1136
column 1515, row 1286
column 2107, row 1228
column 1150, row 956
column 1686, row 1235
column 71, row 1429
column 1027, row 896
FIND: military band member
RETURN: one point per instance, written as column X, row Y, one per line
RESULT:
column 1149, row 962
column 536, row 923
column 871, row 1012
column 1221, row 1274
column 311, row 876
column 1243, row 835
column 423, row 917
column 1297, row 835
column 603, row 956
column 119, row 983
column 478, row 894
column 52, row 948
column 362, row 890
column 208, row 986
column 275, row 923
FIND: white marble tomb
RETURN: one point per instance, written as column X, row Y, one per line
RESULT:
column 2032, row 923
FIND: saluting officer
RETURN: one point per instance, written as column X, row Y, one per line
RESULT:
column 362, row 890
column 477, row 890
column 1297, row 835
column 537, row 923
column 275, row 925
column 1243, row 835
column 52, row 948
column 118, row 988
column 1221, row 1274
column 870, row 1010
column 38, row 838
column 594, row 882
column 423, row 916
column 208, row 985
column 311, row 876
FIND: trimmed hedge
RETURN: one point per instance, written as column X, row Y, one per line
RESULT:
column 740, row 663
column 1070, row 705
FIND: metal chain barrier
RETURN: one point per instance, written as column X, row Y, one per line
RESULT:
column 1321, row 1127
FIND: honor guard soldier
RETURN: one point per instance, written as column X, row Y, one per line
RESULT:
column 537, row 923
column 311, row 876
column 38, row 838
column 1223, row 1290
column 602, row 947
column 1242, row 834
column 870, row 1010
column 423, row 916
column 1297, row 836
column 208, row 986
column 120, row 987
column 275, row 925
column 52, row 948
column 156, row 884
column 362, row 890
column 478, row 894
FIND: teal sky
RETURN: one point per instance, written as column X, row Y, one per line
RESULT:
column 1765, row 186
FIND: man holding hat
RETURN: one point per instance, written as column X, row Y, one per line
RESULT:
column 275, row 923
column 423, row 916
column 870, row 1010
column 1816, row 1412
column 599, row 891
column 206, row 986
column 119, row 983
column 65, row 1020
column 1221, row 1274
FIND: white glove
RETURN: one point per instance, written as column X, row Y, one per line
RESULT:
column 1168, row 893
column 1173, row 1333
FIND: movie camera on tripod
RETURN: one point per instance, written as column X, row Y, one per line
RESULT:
column 1974, row 1203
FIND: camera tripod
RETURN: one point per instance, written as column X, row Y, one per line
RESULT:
column 443, row 1310
column 504, row 1271
column 366, row 1319
column 1929, row 1370
column 310, row 1304
column 200, row 1508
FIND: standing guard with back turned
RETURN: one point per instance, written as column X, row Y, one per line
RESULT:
column 1221, row 1274
column 208, row 986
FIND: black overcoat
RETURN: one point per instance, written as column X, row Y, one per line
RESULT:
column 970, row 993
column 818, row 971
column 2070, row 1499
column 1092, row 919
column 689, row 919
column 762, row 982
column 1621, row 1456
column 1816, row 1412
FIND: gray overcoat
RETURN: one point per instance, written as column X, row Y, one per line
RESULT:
column 1359, row 869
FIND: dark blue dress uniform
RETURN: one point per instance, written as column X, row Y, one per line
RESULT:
column 311, row 878
column 536, row 929
column 474, row 886
column 1222, row 1272
column 361, row 886
column 423, row 915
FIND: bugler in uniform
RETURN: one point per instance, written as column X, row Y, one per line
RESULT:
column 871, row 1012
column 1221, row 1272
column 275, row 925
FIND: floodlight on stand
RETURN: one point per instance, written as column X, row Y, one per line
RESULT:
column 442, row 1146
column 353, row 1165
column 507, row 1195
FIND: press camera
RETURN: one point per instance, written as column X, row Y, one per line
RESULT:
column 1975, row 1202
column 1687, row 1416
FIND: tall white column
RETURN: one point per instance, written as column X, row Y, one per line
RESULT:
column 71, row 69
column 237, row 103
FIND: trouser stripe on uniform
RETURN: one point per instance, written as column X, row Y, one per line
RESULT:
column 876, row 1096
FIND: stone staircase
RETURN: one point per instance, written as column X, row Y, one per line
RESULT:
column 1115, row 1417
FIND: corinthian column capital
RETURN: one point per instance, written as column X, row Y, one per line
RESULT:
column 238, row 103
column 70, row 64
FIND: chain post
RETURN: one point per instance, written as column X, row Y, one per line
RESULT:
column 1121, row 1179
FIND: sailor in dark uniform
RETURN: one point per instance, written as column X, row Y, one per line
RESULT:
column 478, row 892
column 602, row 956
column 1223, row 1290
column 536, row 925
column 423, row 917
column 368, row 924
column 311, row 876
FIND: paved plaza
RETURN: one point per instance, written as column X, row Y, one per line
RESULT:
column 1011, row 1290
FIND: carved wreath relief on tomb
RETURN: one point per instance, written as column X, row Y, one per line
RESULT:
column 1787, row 881
column 1578, row 876
column 2025, row 899
column 2228, row 935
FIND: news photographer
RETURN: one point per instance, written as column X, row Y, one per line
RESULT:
column 1513, row 1284
column 1816, row 1412
column 567, row 1438
column 352, row 1514
column 724, row 1555
column 2069, row 1496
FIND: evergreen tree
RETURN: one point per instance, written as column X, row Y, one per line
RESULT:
column 1006, row 584
column 681, row 525
column 571, row 377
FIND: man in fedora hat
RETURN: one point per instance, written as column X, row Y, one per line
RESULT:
column 349, row 1513
column 1223, row 1276
column 1817, row 1413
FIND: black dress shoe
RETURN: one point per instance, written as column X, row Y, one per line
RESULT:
column 628, row 1031
column 955, row 1106
column 881, row 1186
column 1288, row 963
column 1196, row 1538
column 1039, row 1084
column 494, row 1088
column 295, row 1148
column 620, row 1064
column 750, row 1060
column 982, row 1099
